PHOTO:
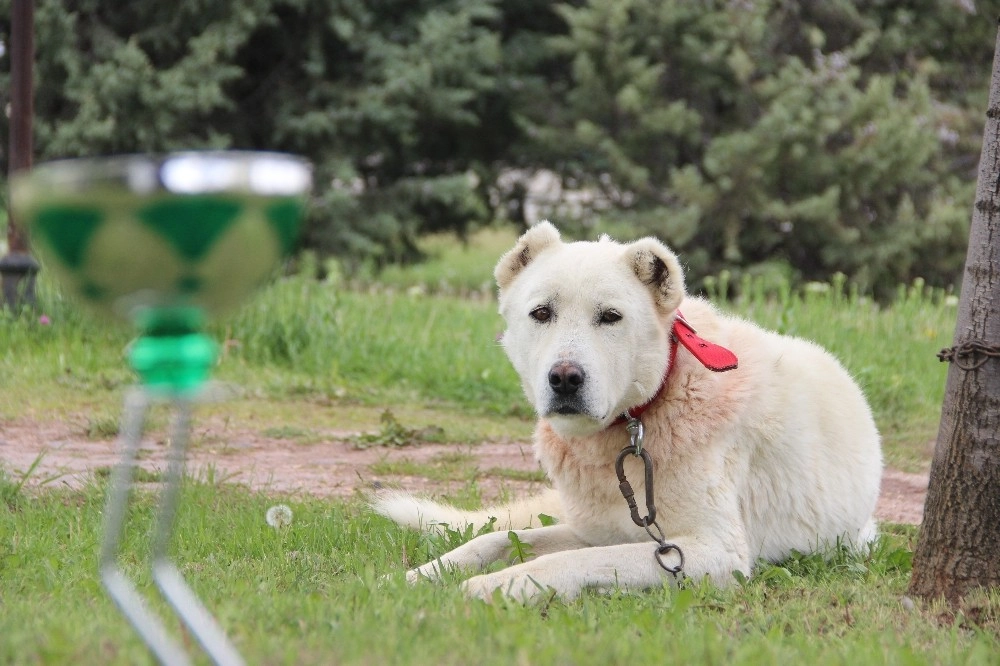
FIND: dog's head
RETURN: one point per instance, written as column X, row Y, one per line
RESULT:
column 587, row 324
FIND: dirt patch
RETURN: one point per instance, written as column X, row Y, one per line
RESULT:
column 332, row 467
column 902, row 497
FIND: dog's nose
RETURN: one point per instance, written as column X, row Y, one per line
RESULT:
column 565, row 378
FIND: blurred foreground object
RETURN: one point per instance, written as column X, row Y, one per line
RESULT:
column 165, row 242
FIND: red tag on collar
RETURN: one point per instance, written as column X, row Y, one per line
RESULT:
column 709, row 354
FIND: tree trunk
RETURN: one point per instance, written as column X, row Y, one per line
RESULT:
column 959, row 545
column 18, row 267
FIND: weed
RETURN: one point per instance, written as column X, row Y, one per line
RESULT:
column 519, row 551
column 10, row 491
column 139, row 474
column 393, row 434
column 449, row 538
column 102, row 427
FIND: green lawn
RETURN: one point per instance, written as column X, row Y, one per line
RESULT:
column 315, row 592
column 308, row 354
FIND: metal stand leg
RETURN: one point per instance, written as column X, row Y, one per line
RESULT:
column 198, row 620
column 115, row 581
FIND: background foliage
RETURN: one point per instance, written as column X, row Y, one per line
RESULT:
column 772, row 138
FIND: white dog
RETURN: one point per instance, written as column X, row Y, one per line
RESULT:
column 779, row 454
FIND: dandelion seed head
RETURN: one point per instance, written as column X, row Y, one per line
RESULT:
column 278, row 516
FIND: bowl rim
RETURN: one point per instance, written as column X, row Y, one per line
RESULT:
column 186, row 172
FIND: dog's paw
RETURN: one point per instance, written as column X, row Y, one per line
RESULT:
column 431, row 571
column 519, row 587
column 391, row 578
column 481, row 587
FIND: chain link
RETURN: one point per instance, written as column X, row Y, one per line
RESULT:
column 663, row 548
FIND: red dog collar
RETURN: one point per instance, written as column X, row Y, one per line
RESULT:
column 714, row 357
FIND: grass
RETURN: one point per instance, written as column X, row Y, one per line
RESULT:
column 314, row 592
column 463, row 269
column 293, row 433
column 304, row 346
column 308, row 357
column 451, row 466
column 531, row 476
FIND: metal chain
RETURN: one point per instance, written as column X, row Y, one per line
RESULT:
column 978, row 351
column 663, row 548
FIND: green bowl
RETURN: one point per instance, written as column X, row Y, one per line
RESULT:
column 137, row 234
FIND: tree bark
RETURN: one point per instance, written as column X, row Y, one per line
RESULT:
column 959, row 545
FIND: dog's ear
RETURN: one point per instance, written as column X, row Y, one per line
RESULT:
column 657, row 267
column 528, row 246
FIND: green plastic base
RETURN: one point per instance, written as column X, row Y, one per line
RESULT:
column 173, row 357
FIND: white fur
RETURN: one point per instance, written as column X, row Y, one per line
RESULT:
column 778, row 455
column 430, row 516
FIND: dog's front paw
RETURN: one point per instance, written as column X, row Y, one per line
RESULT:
column 519, row 587
column 413, row 577
column 431, row 571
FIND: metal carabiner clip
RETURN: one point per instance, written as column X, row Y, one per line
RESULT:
column 629, row 494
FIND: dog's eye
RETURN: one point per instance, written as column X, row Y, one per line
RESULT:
column 610, row 317
column 541, row 314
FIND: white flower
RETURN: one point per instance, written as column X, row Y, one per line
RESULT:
column 278, row 516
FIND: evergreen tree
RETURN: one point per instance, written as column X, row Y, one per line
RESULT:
column 799, row 137
column 803, row 136
column 389, row 100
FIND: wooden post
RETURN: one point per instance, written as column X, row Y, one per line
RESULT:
column 17, row 267
column 958, row 549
